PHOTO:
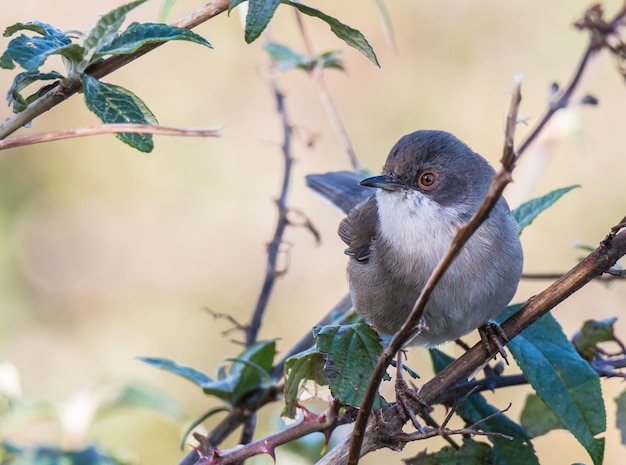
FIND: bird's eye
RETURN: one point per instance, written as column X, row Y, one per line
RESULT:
column 427, row 179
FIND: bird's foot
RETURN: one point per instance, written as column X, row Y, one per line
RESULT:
column 408, row 400
column 494, row 339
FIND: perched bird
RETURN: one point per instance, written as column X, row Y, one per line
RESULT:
column 432, row 184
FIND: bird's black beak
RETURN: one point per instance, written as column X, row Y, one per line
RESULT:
column 384, row 181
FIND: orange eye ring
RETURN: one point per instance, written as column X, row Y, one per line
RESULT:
column 428, row 179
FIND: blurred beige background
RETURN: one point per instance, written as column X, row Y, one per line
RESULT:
column 107, row 254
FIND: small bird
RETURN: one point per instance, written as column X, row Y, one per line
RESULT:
column 431, row 185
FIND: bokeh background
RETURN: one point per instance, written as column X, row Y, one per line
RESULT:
column 107, row 254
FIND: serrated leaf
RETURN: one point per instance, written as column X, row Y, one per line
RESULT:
column 139, row 34
column 620, row 417
column 23, row 80
column 350, row 36
column 114, row 104
column 351, row 352
column 526, row 213
column 563, row 379
column 300, row 368
column 471, row 453
column 107, row 26
column 475, row 408
column 592, row 333
column 248, row 372
column 537, row 418
column 193, row 375
column 260, row 13
column 31, row 52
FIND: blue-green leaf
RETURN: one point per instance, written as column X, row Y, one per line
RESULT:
column 114, row 104
column 31, row 52
column 23, row 80
column 260, row 13
column 234, row 3
column 38, row 27
column 350, row 36
column 563, row 379
column 351, row 353
column 285, row 56
column 107, row 26
column 193, row 375
column 139, row 34
column 526, row 213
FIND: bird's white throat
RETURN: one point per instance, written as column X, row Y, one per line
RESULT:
column 416, row 225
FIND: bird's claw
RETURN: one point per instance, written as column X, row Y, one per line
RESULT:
column 494, row 339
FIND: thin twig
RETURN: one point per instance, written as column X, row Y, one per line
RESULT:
column 273, row 248
column 29, row 139
column 610, row 275
column 317, row 76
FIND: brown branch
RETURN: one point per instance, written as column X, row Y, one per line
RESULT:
column 61, row 93
column 609, row 275
column 29, row 139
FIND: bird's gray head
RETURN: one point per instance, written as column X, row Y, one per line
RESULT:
column 438, row 166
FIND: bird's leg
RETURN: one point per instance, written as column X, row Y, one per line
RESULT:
column 494, row 339
column 406, row 398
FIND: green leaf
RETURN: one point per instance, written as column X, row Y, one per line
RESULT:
column 300, row 368
column 471, row 453
column 114, row 104
column 620, row 417
column 526, row 213
column 537, row 418
column 139, row 34
column 351, row 352
column 249, row 372
column 563, row 380
column 23, row 80
column 6, row 62
column 260, row 13
column 38, row 27
column 31, row 52
column 193, row 375
column 285, row 56
column 107, row 26
column 136, row 395
column 350, row 36
column 592, row 333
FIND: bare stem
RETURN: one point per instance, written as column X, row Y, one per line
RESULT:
column 29, row 139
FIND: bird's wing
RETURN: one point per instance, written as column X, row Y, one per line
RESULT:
column 341, row 188
column 358, row 229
